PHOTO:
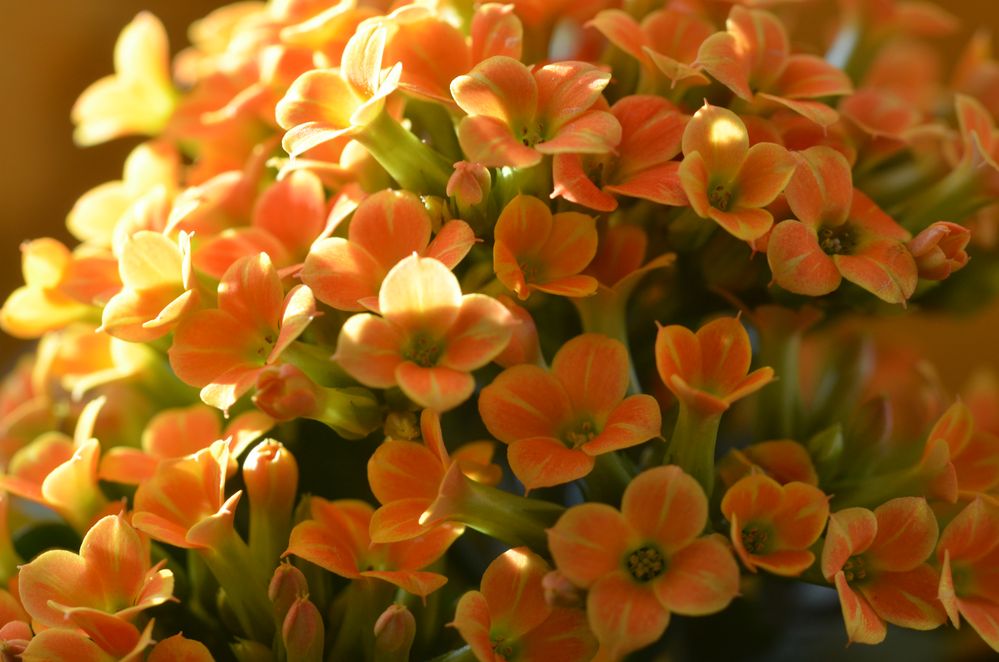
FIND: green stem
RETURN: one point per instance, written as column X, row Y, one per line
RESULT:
column 609, row 478
column 365, row 601
column 693, row 445
column 231, row 563
column 951, row 198
column 409, row 161
column 779, row 404
column 463, row 654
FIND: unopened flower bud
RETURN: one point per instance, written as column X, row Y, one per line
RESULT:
column 560, row 592
column 395, row 630
column 303, row 632
column 284, row 392
column 271, row 476
column 287, row 585
column 939, row 250
column 469, row 184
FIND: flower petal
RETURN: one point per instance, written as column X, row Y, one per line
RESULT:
column 512, row 586
column 593, row 370
column 422, row 294
column 907, row 534
column 369, row 348
column 851, row 531
column 863, row 625
column 907, row 599
column 524, row 401
column 545, row 461
column 481, row 331
column 623, row 615
column 588, row 542
column 798, row 263
column 439, row 388
column 700, row 579
column 636, row 420
column 665, row 505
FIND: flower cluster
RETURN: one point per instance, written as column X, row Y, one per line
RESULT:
column 573, row 276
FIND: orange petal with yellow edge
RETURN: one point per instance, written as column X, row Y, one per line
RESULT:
column 481, row 331
column 725, row 59
column 725, row 354
column 816, row 111
column 420, row 294
column 399, row 520
column 810, row 77
column 659, row 184
column 317, row 108
column 764, row 174
column 907, row 534
column 65, row 645
column 863, row 625
column 402, row 470
column 420, row 552
column 589, row 541
column 391, row 226
column 593, row 370
column 851, row 531
column 412, row 581
column 496, row 30
column 546, row 461
column 568, row 89
column 452, row 243
column 802, row 515
column 743, row 223
column 593, row 132
column 678, row 353
column 524, row 224
column 210, row 343
column 369, row 348
column 569, row 286
column 786, row 563
column 624, row 615
column 973, row 533
column 251, row 292
column 797, row 262
column 524, row 401
column 886, row 269
column 60, row 577
column 751, row 498
column 907, row 599
column 501, row 88
column 341, row 273
column 636, row 420
column 473, row 621
column 297, row 313
column 570, row 244
column 432, row 52
column 564, row 633
column 623, row 31
column 984, row 617
column 701, row 578
column 821, row 190
column 512, row 586
column 665, row 505
column 299, row 196
column 438, row 387
column 572, row 183
column 489, row 142
column 314, row 542
column 720, row 137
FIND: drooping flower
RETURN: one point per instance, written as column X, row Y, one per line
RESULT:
column 386, row 227
column 725, row 179
column 516, row 115
column 645, row 562
column 101, row 590
column 536, row 250
column 508, row 618
column 773, row 525
column 429, row 336
column 224, row 349
column 556, row 422
column 877, row 560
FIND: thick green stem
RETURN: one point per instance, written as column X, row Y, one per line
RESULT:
column 231, row 563
column 609, row 478
column 693, row 445
column 355, row 639
column 952, row 198
column 780, row 404
column 409, row 161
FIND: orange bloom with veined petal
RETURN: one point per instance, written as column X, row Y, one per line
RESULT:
column 224, row 349
column 753, row 59
column 645, row 562
column 508, row 618
column 557, row 422
column 877, row 560
column 139, row 97
column 386, row 228
column 429, row 337
column 709, row 370
column 783, row 460
column 324, row 104
column 406, row 477
column 969, row 580
column 516, row 115
column 536, row 250
column 773, row 525
column 101, row 590
column 840, row 233
column 642, row 165
column 336, row 538
column 725, row 179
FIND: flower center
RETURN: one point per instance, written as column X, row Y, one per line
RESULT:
column 836, row 240
column 755, row 539
column 580, row 433
column 720, row 197
column 646, row 563
column 424, row 351
column 531, row 136
column 502, row 646
column 855, row 569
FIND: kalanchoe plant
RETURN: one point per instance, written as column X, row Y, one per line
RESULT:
column 520, row 328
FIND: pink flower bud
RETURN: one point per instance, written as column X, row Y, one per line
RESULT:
column 303, row 632
column 469, row 183
column 284, row 392
column 939, row 250
column 271, row 476
column 287, row 585
column 395, row 630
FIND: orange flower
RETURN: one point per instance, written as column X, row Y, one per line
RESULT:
column 773, row 525
column 535, row 250
column 783, row 460
column 139, row 97
column 841, row 234
column 642, row 166
column 324, row 104
column 158, row 288
column 224, row 349
column 387, row 227
column 336, row 538
column 406, row 476
column 939, row 250
column 877, row 560
column 101, row 590
column 753, row 59
column 429, row 337
column 516, row 115
column 508, row 619
column 66, row 645
column 557, row 422
column 725, row 179
column 709, row 370
column 973, row 452
column 969, row 552
column 645, row 562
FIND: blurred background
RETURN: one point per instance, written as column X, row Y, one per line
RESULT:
column 51, row 50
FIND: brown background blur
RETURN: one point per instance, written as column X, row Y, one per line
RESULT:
column 50, row 50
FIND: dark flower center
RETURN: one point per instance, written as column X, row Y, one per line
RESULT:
column 646, row 563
